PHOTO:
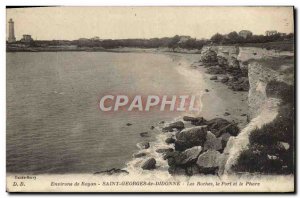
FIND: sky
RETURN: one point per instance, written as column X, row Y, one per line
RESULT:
column 146, row 22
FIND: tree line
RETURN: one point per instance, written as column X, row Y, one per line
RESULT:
column 177, row 41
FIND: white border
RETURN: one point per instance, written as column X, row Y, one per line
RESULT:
column 4, row 3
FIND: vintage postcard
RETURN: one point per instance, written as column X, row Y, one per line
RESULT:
column 150, row 99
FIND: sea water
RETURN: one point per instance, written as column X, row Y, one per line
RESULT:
column 54, row 124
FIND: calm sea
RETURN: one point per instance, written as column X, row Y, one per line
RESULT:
column 54, row 124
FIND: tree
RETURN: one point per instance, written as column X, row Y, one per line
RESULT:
column 174, row 41
column 217, row 38
column 234, row 37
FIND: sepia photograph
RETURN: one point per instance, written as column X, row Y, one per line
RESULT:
column 187, row 99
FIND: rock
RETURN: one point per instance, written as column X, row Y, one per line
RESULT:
column 144, row 134
column 164, row 150
column 209, row 57
column 144, row 145
column 138, row 155
column 189, row 155
column 215, row 70
column 167, row 129
column 233, row 62
column 149, row 164
column 128, row 124
column 113, row 171
column 208, row 162
column 214, row 78
column 189, row 118
column 212, row 143
column 191, row 137
column 161, row 122
column 243, row 114
column 218, row 126
column 224, row 79
column 199, row 121
column 224, row 139
column 226, row 114
column 242, row 84
column 192, row 170
column 152, row 127
column 171, row 154
column 174, row 170
column 222, row 61
column 206, row 90
column 170, row 140
column 179, row 125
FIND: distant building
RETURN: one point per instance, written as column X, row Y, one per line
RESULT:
column 26, row 38
column 245, row 33
column 11, row 31
column 271, row 32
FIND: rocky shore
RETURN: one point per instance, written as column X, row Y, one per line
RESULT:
column 199, row 149
column 197, row 145
column 226, row 69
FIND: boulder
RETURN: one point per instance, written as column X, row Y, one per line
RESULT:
column 209, row 57
column 149, row 164
column 192, row 170
column 198, row 121
column 222, row 61
column 224, row 138
column 206, row 90
column 218, row 126
column 212, row 143
column 128, row 124
column 179, row 125
column 191, row 137
column 144, row 134
column 215, row 70
column 170, row 140
column 189, row 155
column 189, row 118
column 152, row 127
column 233, row 62
column 214, row 78
column 143, row 145
column 224, row 79
column 164, row 150
column 208, row 162
column 138, row 155
column 175, row 170
column 241, row 84
column 226, row 114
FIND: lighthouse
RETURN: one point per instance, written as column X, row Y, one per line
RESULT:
column 11, row 31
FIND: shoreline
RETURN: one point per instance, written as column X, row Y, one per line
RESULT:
column 224, row 101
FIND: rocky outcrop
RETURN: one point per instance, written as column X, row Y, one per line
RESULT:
column 197, row 149
column 179, row 125
column 212, row 142
column 191, row 137
column 143, row 145
column 149, row 164
column 209, row 162
column 262, row 110
column 209, row 57
column 218, row 126
column 259, row 77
